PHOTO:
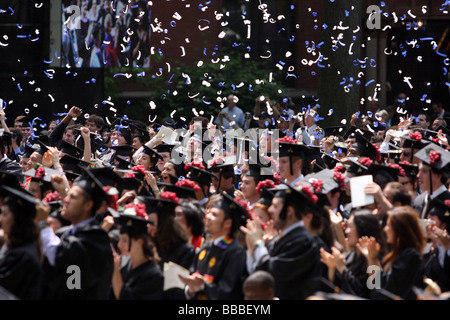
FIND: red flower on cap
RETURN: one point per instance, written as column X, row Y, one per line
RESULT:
column 287, row 139
column 316, row 184
column 435, row 156
column 139, row 208
column 139, row 169
column 365, row 161
column 405, row 162
column 396, row 166
column 339, row 168
column 168, row 195
column 51, row 197
column 242, row 203
column 186, row 183
column 197, row 164
column 307, row 190
column 130, row 175
column 378, row 158
column 277, row 178
column 435, row 140
column 40, row 172
column 268, row 184
column 216, row 161
column 340, row 178
column 447, row 203
column 415, row 136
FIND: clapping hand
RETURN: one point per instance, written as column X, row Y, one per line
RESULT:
column 369, row 248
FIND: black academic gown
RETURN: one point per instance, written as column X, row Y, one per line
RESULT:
column 183, row 255
column 434, row 270
column 88, row 248
column 354, row 278
column 20, row 271
column 405, row 272
column 145, row 282
column 224, row 270
column 294, row 262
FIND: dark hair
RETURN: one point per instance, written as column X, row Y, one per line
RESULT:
column 170, row 233
column 263, row 278
column 194, row 214
column 368, row 225
column 400, row 194
column 99, row 122
column 147, row 245
column 405, row 225
column 23, row 230
column 201, row 119
column 16, row 132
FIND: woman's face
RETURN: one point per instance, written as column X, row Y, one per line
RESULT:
column 261, row 213
column 144, row 160
column 124, row 244
column 351, row 232
column 179, row 216
column 390, row 236
column 35, row 189
column 6, row 219
column 169, row 169
column 117, row 139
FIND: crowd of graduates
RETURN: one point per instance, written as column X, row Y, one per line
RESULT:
column 258, row 207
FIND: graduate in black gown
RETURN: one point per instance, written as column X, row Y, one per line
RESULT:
column 79, row 265
column 20, row 256
column 292, row 257
column 219, row 271
column 171, row 240
column 437, row 259
column 137, row 276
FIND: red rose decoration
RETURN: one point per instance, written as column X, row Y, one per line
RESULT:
column 287, row 139
column 316, row 184
column 405, row 162
column 51, row 197
column 339, row 178
column 167, row 195
column 268, row 184
column 277, row 178
column 130, row 175
column 243, row 204
column 307, row 190
column 216, row 161
column 415, row 136
column 139, row 169
column 139, row 208
column 339, row 168
column 365, row 161
column 447, row 202
column 400, row 169
column 435, row 156
column 378, row 158
column 40, row 172
column 197, row 164
column 186, row 183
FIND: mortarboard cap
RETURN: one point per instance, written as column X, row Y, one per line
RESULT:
column 133, row 219
column 164, row 204
column 441, row 209
column 129, row 183
column 366, row 148
column 92, row 186
column 124, row 151
column 183, row 189
column 200, row 176
column 24, row 198
column 152, row 153
column 163, row 147
column 334, row 131
column 106, row 176
column 70, row 163
column 411, row 170
column 42, row 174
column 71, row 149
column 10, row 180
column 355, row 167
column 409, row 141
column 438, row 164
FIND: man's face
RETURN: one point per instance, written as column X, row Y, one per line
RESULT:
column 74, row 204
column 92, row 126
column 424, row 177
column 436, row 124
column 214, row 221
column 274, row 210
column 406, row 156
column 309, row 120
column 69, row 136
column 248, row 186
column 422, row 121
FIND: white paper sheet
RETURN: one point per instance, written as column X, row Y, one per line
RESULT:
column 171, row 272
column 359, row 197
